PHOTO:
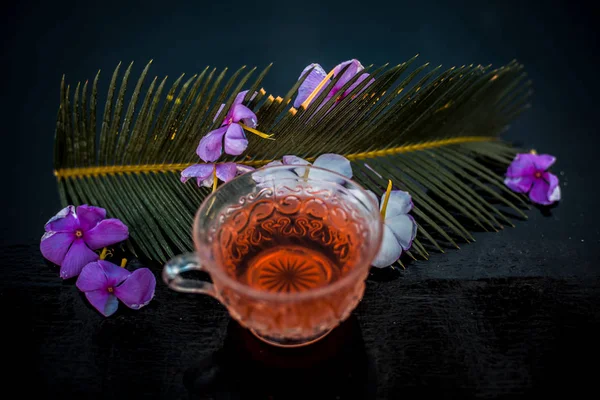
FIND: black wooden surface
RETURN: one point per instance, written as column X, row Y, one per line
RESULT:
column 446, row 329
column 514, row 315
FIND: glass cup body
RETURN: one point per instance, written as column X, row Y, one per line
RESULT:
column 279, row 204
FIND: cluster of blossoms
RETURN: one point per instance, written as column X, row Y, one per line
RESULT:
column 70, row 239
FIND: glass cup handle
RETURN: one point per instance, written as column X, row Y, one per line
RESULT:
column 183, row 263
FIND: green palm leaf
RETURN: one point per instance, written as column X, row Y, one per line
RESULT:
column 434, row 134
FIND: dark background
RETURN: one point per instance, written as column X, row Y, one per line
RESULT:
column 514, row 314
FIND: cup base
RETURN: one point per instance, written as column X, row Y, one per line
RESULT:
column 290, row 343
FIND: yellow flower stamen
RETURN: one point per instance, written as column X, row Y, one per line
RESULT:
column 258, row 133
column 123, row 262
column 533, row 151
column 386, row 199
column 314, row 93
column 214, row 179
column 104, row 253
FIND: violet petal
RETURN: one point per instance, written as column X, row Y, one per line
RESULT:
column 358, row 82
column 520, row 185
column 138, row 289
column 242, row 113
column 389, row 251
column 210, row 147
column 553, row 188
column 226, row 171
column 404, row 228
column 89, row 216
column 354, row 68
column 310, row 83
column 92, row 277
column 522, row 165
column 540, row 192
column 55, row 245
column 242, row 169
column 115, row 275
column 64, row 221
column 293, row 160
column 103, row 301
column 543, row 161
column 201, row 171
column 333, row 162
column 78, row 256
column 106, row 233
column 235, row 140
column 400, row 203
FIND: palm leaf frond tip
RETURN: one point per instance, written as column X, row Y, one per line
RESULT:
column 434, row 133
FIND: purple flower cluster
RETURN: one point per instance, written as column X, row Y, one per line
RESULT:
column 71, row 237
column 229, row 137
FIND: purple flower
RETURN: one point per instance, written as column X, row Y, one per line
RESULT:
column 331, row 162
column 104, row 282
column 527, row 174
column 205, row 173
column 231, row 133
column 72, row 234
column 317, row 75
column 399, row 228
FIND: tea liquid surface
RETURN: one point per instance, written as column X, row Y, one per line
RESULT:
column 290, row 245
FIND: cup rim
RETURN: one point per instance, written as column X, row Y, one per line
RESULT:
column 298, row 296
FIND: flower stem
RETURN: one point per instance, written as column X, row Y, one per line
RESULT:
column 386, row 199
column 258, row 133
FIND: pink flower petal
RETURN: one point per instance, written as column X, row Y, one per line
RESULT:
column 92, row 277
column 103, row 301
column 553, row 188
column 211, row 145
column 293, row 160
column 101, row 275
column 540, row 192
column 200, row 171
column 242, row 169
column 55, row 245
column 78, row 256
column 333, row 162
column 354, row 68
column 235, row 140
column 64, row 221
column 358, row 82
column 522, row 165
column 543, row 161
column 389, row 251
column 89, row 216
column 310, row 83
column 400, row 203
column 520, row 185
column 404, row 228
column 107, row 232
column 138, row 289
column 226, row 171
column 115, row 275
column 244, row 114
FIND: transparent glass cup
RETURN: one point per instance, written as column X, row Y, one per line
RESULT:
column 288, row 249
